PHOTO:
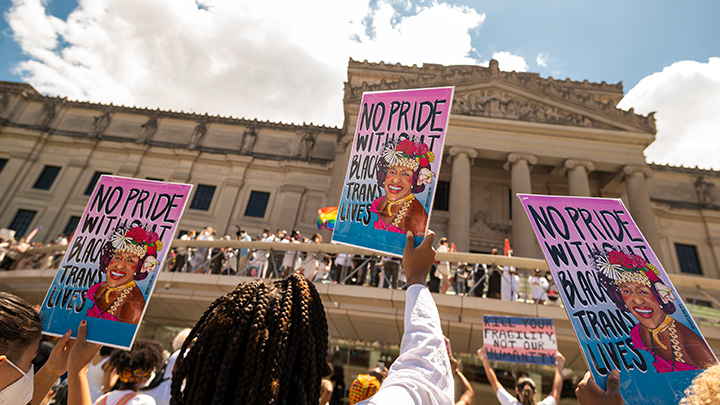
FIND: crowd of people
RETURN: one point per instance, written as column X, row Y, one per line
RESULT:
column 266, row 343
column 475, row 279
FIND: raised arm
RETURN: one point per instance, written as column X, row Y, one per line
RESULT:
column 489, row 372
column 468, row 393
column 558, row 380
column 421, row 373
column 80, row 355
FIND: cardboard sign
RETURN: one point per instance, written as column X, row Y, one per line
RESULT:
column 393, row 167
column 109, row 270
column 520, row 340
column 626, row 313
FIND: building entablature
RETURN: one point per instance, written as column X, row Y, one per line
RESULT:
column 490, row 92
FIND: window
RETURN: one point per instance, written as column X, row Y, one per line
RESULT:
column 153, row 179
column 71, row 225
column 2, row 164
column 93, row 182
column 22, row 221
column 257, row 204
column 688, row 259
column 442, row 196
column 203, row 197
column 47, row 177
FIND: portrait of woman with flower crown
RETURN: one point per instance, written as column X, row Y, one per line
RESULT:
column 129, row 256
column 403, row 170
column 635, row 287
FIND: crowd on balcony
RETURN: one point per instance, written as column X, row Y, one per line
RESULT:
column 457, row 278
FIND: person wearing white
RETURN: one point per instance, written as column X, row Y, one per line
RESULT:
column 506, row 291
column 515, row 284
column 161, row 392
column 443, row 269
column 539, row 287
column 525, row 387
column 421, row 374
column 96, row 374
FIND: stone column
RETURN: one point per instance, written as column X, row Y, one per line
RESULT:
column 523, row 237
column 578, row 176
column 459, row 226
column 640, row 207
column 342, row 157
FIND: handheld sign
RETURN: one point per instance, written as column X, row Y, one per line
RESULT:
column 626, row 313
column 520, row 340
column 392, row 171
column 111, row 264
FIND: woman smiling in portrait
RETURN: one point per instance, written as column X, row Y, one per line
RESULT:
column 403, row 171
column 128, row 257
column 634, row 286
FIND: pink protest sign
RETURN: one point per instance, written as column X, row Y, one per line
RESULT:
column 626, row 313
column 520, row 340
column 112, row 262
column 392, row 172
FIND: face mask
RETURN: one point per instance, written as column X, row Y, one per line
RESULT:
column 264, row 235
column 21, row 391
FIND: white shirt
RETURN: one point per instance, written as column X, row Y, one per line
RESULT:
column 344, row 259
column 538, row 290
column 421, row 374
column 506, row 284
column 506, row 399
column 114, row 397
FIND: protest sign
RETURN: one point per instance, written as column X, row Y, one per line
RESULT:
column 519, row 340
column 626, row 313
column 393, row 166
column 111, row 264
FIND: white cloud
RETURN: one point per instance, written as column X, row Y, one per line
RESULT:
column 281, row 60
column 542, row 59
column 686, row 96
column 509, row 62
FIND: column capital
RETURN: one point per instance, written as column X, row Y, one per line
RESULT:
column 456, row 150
column 572, row 163
column 515, row 157
column 629, row 170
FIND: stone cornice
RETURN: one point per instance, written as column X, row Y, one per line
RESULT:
column 30, row 94
column 683, row 169
column 565, row 91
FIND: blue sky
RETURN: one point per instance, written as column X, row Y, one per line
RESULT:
column 255, row 60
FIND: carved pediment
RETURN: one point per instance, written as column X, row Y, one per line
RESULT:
column 496, row 103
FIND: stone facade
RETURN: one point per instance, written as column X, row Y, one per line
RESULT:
column 510, row 132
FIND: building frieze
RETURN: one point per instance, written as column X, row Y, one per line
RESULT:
column 569, row 92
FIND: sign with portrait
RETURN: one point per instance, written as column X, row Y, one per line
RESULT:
column 626, row 313
column 392, row 171
column 112, row 262
column 515, row 339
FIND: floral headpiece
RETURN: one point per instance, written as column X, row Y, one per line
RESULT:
column 137, row 241
column 408, row 154
column 624, row 268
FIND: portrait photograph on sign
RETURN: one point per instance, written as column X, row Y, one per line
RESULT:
column 392, row 171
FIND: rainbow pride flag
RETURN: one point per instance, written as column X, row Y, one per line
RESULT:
column 327, row 217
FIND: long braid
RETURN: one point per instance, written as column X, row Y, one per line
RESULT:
column 228, row 368
column 259, row 344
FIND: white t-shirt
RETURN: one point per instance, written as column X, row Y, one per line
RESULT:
column 161, row 393
column 421, row 374
column 538, row 290
column 113, row 397
column 506, row 399
column 506, row 284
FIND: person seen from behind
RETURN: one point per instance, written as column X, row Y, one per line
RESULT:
column 524, row 387
column 366, row 385
column 134, row 368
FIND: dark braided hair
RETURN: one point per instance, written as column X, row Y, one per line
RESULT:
column 260, row 344
column 144, row 356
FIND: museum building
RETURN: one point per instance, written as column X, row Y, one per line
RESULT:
column 509, row 133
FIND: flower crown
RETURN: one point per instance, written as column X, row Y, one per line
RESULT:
column 623, row 268
column 408, row 154
column 137, row 241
